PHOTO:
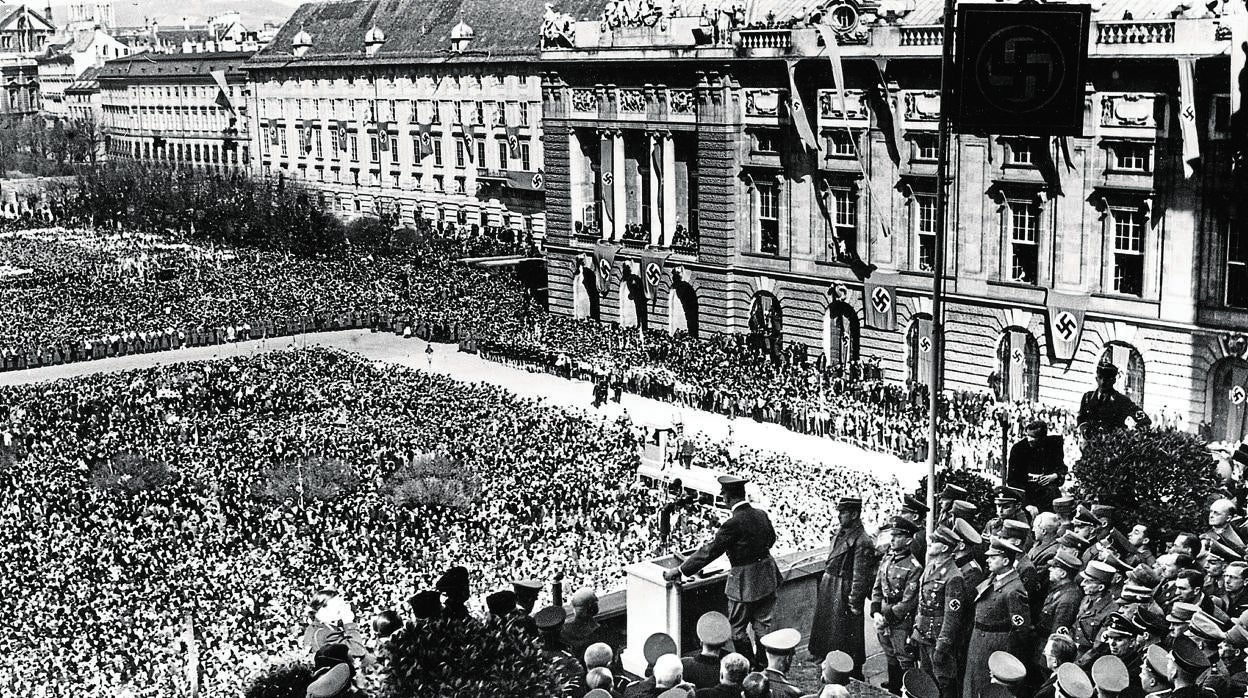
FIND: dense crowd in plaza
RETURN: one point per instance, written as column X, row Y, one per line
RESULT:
column 99, row 582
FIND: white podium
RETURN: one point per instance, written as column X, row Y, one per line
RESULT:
column 658, row 606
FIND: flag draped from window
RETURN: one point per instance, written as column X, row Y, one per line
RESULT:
column 1187, row 113
column 797, row 112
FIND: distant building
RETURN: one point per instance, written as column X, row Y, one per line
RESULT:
column 86, row 17
column 82, row 98
column 422, row 109
column 23, row 31
column 171, row 109
column 223, row 34
column 65, row 62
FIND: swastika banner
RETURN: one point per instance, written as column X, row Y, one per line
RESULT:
column 604, row 260
column 1065, row 323
column 879, row 299
column 652, row 273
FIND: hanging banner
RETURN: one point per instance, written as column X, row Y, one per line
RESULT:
column 383, row 136
column 1016, row 365
column 652, row 272
column 1187, row 114
column 342, row 135
column 879, row 298
column 513, row 141
column 607, row 163
column 424, row 140
column 604, row 260
column 797, row 112
column 1066, row 313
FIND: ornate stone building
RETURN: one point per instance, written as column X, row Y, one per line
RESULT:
column 674, row 163
column 411, row 108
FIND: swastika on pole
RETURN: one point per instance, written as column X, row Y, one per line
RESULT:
column 881, row 299
column 1017, row 356
column 925, row 344
column 1066, row 325
column 1238, row 395
column 653, row 274
column 607, row 179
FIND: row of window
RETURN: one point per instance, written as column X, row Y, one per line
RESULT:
column 373, row 178
column 425, row 111
column 315, row 141
column 194, row 153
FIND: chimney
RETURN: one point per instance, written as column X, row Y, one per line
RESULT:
column 47, row 14
column 186, row 24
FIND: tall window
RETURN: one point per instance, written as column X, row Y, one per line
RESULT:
column 354, row 142
column 925, row 230
column 1128, row 251
column 1236, row 263
column 394, row 149
column 459, row 154
column 374, row 148
column 437, row 153
column 525, row 163
column 925, row 147
column 481, row 153
column 842, row 242
column 768, row 217
column 840, row 144
column 1133, row 157
column 416, row 158
column 1024, row 241
column 1023, row 151
column 502, row 155
column 316, row 141
column 524, row 113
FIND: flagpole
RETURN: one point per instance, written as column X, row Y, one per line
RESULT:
column 938, row 261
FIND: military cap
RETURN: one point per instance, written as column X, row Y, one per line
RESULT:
column 1013, row 529
column 583, row 597
column 943, row 534
column 598, row 693
column 731, row 485
column 1221, row 550
column 1150, row 617
column 675, row 692
column 1159, row 662
column 1116, row 562
column 995, row 690
column 330, row 655
column 1064, row 505
column 1110, row 674
column 963, row 509
column 916, row 683
column 1236, row 637
column 1099, row 572
column 912, row 504
column 550, row 617
column 1008, row 495
column 1073, row 540
column 454, row 582
column 331, row 682
column 1006, row 668
column 903, row 525
column 837, row 666
column 967, row 532
column 657, row 645
column 1104, row 511
column 502, row 602
column 953, row 492
column 1219, row 616
column 849, row 503
column 1072, row 682
column 1187, row 656
column 782, row 641
column 1182, row 612
column 713, row 628
column 426, row 604
column 1136, row 593
column 1085, row 517
column 1106, row 369
column 1121, row 626
column 1144, row 575
column 1204, row 627
column 526, row 588
column 1243, row 619
column 1067, row 561
column 1003, row 547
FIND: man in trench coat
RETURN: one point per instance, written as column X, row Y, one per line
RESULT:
column 847, row 579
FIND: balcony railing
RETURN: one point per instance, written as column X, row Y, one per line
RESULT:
column 922, row 35
column 1135, row 32
column 765, row 38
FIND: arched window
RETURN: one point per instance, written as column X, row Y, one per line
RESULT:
column 766, row 322
column 584, row 294
column 919, row 348
column 840, row 333
column 1018, row 366
column 1228, row 400
column 682, row 307
column 1131, row 365
column 632, row 306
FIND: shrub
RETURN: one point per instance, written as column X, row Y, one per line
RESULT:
column 466, row 660
column 313, row 479
column 130, row 472
column 1163, row 478
column 431, row 479
column 978, row 492
column 282, row 681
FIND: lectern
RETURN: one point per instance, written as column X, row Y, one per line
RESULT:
column 658, row 606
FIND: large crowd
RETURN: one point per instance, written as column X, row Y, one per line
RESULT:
column 99, row 581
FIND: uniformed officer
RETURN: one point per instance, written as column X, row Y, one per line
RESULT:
column 1009, row 503
column 1155, row 672
column 916, row 511
column 746, row 538
column 655, row 646
column 844, row 587
column 583, row 629
column 939, row 620
column 1008, row 671
column 1094, row 610
column 1072, row 682
column 1106, row 408
column 1034, row 580
column 1121, row 638
column 567, row 668
column 917, row 684
column 1188, row 663
column 780, row 646
column 1111, row 678
column 944, row 502
column 702, row 669
column 1061, row 604
column 527, row 591
column 894, row 598
column 1002, row 616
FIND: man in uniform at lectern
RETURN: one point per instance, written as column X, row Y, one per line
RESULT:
column 746, row 537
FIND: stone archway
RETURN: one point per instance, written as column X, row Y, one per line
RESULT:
column 682, row 308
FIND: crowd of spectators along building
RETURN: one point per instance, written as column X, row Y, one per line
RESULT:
column 102, row 583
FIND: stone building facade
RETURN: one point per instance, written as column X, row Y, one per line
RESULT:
column 1061, row 253
column 400, row 109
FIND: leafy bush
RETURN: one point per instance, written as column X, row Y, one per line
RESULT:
column 311, row 479
column 1163, row 478
column 431, row 479
column 282, row 681
column 130, row 472
column 466, row 660
column 978, row 492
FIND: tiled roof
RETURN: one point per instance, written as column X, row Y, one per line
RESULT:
column 152, row 65
column 419, row 28
column 89, row 80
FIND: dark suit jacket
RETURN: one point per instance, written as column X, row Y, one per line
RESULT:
column 719, row 691
column 746, row 538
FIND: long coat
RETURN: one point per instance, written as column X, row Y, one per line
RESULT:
column 1002, row 622
column 847, row 579
column 746, row 538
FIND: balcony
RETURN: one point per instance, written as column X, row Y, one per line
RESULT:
column 754, row 39
column 1135, row 32
column 921, row 35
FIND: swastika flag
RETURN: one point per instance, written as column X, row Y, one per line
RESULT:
column 652, row 272
column 1065, row 323
column 879, row 298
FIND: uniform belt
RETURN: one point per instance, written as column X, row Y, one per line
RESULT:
column 754, row 561
column 936, row 608
column 994, row 627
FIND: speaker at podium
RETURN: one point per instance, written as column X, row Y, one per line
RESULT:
column 656, row 605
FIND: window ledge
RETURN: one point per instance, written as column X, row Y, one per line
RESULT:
column 1109, row 295
column 764, row 255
